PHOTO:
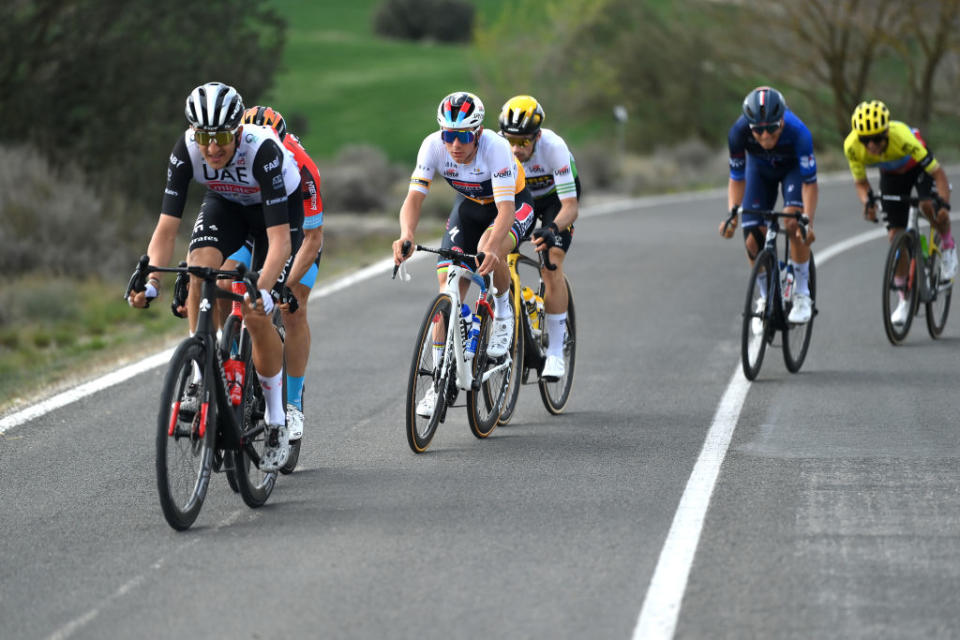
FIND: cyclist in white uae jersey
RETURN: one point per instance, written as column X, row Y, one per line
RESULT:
column 249, row 177
column 492, row 212
column 552, row 178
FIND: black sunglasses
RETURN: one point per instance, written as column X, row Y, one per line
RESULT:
column 769, row 127
column 878, row 139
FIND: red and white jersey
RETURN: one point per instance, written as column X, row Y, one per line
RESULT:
column 494, row 175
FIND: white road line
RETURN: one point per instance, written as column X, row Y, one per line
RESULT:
column 661, row 607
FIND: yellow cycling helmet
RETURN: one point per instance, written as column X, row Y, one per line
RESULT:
column 870, row 118
column 521, row 116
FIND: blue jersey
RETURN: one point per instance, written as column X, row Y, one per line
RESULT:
column 794, row 149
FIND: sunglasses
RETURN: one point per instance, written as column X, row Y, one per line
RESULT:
column 466, row 137
column 222, row 138
column 876, row 139
column 769, row 127
column 519, row 142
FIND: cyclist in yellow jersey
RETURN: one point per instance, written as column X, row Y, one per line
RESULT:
column 905, row 164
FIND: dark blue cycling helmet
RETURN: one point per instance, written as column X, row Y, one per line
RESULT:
column 764, row 105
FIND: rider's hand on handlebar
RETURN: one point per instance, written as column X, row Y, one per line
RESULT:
column 545, row 237
column 729, row 225
column 490, row 262
column 402, row 249
column 807, row 238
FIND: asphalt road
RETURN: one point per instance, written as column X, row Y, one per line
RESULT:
column 835, row 512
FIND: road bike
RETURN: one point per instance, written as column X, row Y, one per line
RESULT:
column 205, row 425
column 918, row 257
column 531, row 338
column 770, row 295
column 451, row 356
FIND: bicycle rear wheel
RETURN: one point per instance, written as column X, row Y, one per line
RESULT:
column 253, row 485
column 427, row 376
column 556, row 393
column 938, row 307
column 186, row 428
column 485, row 403
column 516, row 368
column 796, row 337
column 903, row 247
column 756, row 329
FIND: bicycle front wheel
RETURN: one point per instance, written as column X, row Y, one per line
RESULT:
column 493, row 374
column 903, row 249
column 938, row 307
column 796, row 337
column 516, row 367
column 427, row 384
column 757, row 330
column 556, row 393
column 186, row 428
column 253, row 485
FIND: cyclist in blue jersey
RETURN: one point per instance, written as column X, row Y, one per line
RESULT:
column 772, row 148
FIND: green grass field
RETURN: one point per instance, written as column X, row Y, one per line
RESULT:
column 352, row 87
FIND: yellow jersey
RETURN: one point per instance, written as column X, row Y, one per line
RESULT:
column 905, row 150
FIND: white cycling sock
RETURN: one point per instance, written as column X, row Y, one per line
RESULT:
column 502, row 306
column 273, row 394
column 556, row 332
column 437, row 354
column 762, row 284
column 801, row 275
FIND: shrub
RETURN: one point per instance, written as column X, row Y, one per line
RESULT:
column 442, row 20
column 360, row 180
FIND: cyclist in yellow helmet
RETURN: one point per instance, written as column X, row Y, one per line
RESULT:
column 553, row 181
column 905, row 164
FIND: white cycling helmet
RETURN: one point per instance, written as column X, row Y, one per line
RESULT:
column 214, row 106
column 460, row 110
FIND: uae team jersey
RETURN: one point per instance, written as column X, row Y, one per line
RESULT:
column 493, row 176
column 261, row 171
column 551, row 168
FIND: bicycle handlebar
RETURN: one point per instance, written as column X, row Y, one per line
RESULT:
column 249, row 278
column 799, row 216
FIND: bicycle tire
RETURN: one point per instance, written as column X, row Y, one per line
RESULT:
column 516, row 355
column 556, row 393
column 484, row 405
column 424, row 374
column 183, row 481
column 938, row 307
column 253, row 485
column 904, row 244
column 753, row 343
column 796, row 338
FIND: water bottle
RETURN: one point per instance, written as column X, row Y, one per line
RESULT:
column 923, row 247
column 472, row 337
column 465, row 322
column 234, row 372
column 530, row 305
column 788, row 283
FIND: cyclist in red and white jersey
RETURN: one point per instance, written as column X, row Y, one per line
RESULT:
column 249, row 178
column 300, row 274
column 552, row 179
column 493, row 209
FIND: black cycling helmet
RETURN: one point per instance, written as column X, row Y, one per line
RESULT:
column 764, row 105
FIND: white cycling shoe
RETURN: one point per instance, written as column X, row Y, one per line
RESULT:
column 277, row 450
column 427, row 404
column 553, row 369
column 901, row 313
column 948, row 267
column 500, row 337
column 294, row 423
column 802, row 309
column 759, row 306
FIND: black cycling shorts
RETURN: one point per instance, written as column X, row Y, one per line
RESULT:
column 547, row 209
column 895, row 191
column 468, row 221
